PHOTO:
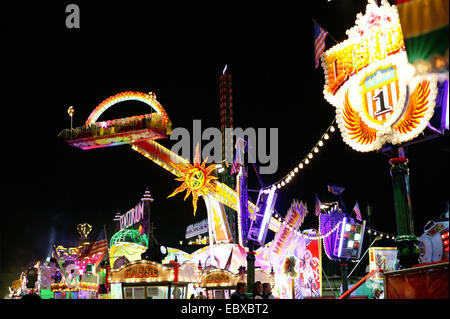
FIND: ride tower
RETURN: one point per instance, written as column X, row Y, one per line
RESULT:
column 226, row 121
column 146, row 200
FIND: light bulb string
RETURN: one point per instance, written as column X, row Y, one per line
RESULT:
column 379, row 233
column 322, row 236
column 335, row 228
column 306, row 160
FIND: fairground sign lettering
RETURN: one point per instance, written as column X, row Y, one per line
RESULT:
column 132, row 217
column 141, row 271
column 197, row 229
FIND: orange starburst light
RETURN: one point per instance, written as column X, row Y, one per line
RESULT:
column 196, row 179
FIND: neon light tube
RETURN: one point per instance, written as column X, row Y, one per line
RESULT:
column 267, row 214
column 341, row 240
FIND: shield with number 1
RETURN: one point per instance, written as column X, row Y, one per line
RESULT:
column 380, row 94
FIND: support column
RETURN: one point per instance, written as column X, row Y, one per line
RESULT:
column 250, row 268
column 407, row 243
column 344, row 272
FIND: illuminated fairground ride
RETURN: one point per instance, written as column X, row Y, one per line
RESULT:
column 198, row 179
column 141, row 132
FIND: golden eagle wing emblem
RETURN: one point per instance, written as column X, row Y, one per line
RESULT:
column 357, row 129
column 416, row 110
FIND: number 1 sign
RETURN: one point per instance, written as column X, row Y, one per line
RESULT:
column 368, row 79
column 381, row 92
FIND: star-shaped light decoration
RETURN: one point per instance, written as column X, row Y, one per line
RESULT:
column 196, row 179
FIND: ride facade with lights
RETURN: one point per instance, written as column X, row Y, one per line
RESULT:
column 369, row 81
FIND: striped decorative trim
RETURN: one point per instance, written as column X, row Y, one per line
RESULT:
column 422, row 16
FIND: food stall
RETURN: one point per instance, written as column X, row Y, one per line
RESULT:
column 221, row 283
column 143, row 279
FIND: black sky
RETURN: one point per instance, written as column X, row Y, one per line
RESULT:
column 50, row 187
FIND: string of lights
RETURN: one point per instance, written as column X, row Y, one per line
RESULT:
column 287, row 178
column 321, row 236
column 335, row 228
column 378, row 233
column 320, row 144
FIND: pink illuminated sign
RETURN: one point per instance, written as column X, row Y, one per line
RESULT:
column 132, row 217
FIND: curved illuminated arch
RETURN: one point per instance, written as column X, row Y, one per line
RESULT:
column 148, row 99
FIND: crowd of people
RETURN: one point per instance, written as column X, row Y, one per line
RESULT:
column 260, row 291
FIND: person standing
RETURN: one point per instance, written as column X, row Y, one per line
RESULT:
column 240, row 294
column 378, row 293
column 267, row 291
column 257, row 290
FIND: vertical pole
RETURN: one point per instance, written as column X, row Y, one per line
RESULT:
column 107, row 257
column 147, row 210
column 250, row 267
column 293, row 288
column 408, row 251
column 369, row 214
column 106, row 237
column 344, row 207
column 344, row 270
column 209, row 208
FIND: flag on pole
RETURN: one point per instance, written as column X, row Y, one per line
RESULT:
column 235, row 167
column 357, row 212
column 238, row 157
column 319, row 43
column 100, row 245
column 336, row 190
column 228, row 264
column 242, row 251
column 318, row 204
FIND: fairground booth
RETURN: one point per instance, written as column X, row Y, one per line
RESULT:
column 221, row 283
column 75, row 272
column 145, row 279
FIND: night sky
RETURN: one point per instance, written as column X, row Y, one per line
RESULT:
column 49, row 187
